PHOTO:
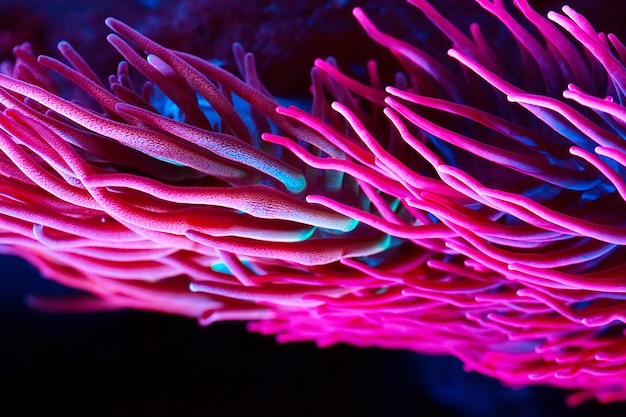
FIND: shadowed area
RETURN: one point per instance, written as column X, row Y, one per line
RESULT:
column 130, row 363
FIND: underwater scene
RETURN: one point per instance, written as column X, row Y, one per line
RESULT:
column 303, row 208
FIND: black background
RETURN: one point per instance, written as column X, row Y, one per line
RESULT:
column 132, row 363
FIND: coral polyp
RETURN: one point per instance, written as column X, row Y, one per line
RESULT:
column 474, row 206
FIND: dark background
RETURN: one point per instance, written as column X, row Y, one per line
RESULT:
column 132, row 363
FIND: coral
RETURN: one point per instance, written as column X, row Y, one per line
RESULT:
column 472, row 207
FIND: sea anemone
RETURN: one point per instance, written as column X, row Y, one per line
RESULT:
column 472, row 207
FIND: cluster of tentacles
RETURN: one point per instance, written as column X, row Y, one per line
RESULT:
column 474, row 208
